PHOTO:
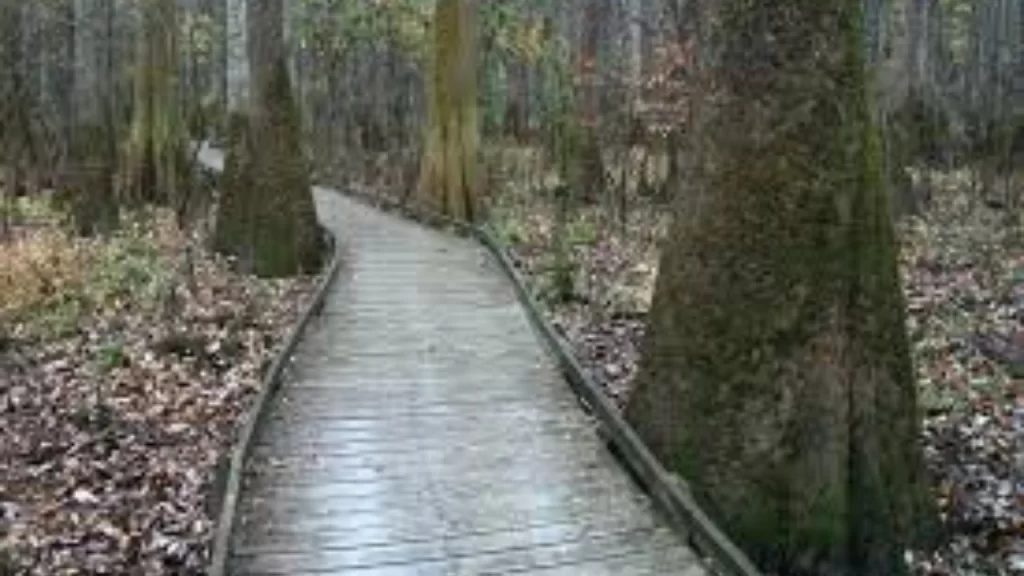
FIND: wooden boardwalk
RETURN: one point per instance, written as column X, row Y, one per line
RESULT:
column 424, row 431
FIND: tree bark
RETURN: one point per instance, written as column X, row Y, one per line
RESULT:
column 448, row 171
column 777, row 376
column 266, row 217
column 236, row 57
column 156, row 147
column 92, row 148
column 590, row 177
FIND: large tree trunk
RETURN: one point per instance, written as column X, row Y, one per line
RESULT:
column 448, row 171
column 777, row 375
column 266, row 216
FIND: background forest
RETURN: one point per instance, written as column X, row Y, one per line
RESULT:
column 138, row 304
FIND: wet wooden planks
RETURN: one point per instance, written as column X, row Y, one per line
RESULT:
column 424, row 431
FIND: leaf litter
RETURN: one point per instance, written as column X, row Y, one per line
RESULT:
column 114, row 422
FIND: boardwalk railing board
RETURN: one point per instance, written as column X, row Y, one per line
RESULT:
column 230, row 486
column 667, row 490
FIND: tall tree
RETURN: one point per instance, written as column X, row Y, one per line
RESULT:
column 590, row 173
column 156, row 157
column 92, row 146
column 448, row 170
column 266, row 216
column 236, row 58
column 12, row 110
column 777, row 375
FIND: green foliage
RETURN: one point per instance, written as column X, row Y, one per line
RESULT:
column 581, row 232
column 59, row 316
column 557, row 275
column 110, row 356
column 337, row 27
column 128, row 268
column 507, row 222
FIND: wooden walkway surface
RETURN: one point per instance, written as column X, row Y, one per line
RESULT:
column 424, row 431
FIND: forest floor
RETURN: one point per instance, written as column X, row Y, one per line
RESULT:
column 126, row 366
column 963, row 271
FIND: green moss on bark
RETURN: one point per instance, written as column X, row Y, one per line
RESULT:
column 234, row 220
column 776, row 376
column 266, row 217
column 90, row 182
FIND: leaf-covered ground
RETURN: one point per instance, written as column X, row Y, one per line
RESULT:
column 125, row 369
column 963, row 270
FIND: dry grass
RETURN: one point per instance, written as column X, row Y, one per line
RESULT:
column 49, row 279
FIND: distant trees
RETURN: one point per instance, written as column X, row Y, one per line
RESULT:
column 584, row 80
column 104, row 94
column 951, row 88
column 777, row 376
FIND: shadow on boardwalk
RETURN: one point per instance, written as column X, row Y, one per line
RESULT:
column 424, row 431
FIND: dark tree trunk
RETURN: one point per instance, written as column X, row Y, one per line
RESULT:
column 777, row 376
column 92, row 147
column 590, row 182
column 267, row 217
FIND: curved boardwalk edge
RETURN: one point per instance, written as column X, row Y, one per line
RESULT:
column 232, row 485
column 667, row 490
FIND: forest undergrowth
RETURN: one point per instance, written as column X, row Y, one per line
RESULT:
column 963, row 272
column 126, row 365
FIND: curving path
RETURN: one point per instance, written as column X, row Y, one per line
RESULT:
column 424, row 431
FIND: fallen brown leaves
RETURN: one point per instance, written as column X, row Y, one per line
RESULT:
column 112, row 425
column 964, row 276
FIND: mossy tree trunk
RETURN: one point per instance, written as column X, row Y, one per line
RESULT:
column 777, row 376
column 266, row 216
column 448, row 171
column 156, row 148
column 12, row 114
column 90, row 177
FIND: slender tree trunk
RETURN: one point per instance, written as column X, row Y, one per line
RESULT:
column 777, row 376
column 91, row 143
column 156, row 148
column 448, row 171
column 11, row 110
column 590, row 177
column 236, row 55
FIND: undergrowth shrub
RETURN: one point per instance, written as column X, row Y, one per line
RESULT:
column 50, row 280
column 38, row 270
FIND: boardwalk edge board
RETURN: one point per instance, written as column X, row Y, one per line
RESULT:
column 668, row 491
column 229, row 488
